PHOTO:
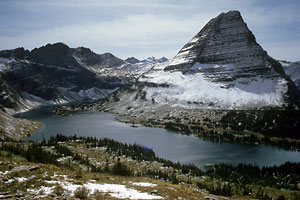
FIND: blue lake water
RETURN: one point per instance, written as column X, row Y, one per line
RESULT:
column 166, row 144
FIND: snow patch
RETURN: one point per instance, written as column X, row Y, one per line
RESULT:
column 3, row 173
column 21, row 179
column 42, row 192
column 180, row 58
column 67, row 96
column 200, row 66
column 144, row 184
column 115, row 190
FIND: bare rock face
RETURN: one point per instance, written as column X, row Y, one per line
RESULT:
column 8, row 97
column 28, row 168
column 227, row 42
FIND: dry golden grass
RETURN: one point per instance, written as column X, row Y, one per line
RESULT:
column 46, row 172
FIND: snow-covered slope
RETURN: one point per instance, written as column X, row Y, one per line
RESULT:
column 194, row 89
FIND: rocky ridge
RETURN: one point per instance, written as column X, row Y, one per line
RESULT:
column 56, row 73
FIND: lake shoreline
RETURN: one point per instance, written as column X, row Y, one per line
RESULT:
column 239, row 137
column 156, row 136
column 236, row 137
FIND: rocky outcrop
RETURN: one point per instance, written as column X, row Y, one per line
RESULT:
column 9, row 98
column 23, row 168
column 10, row 103
column 15, row 128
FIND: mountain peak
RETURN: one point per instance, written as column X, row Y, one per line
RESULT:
column 132, row 60
column 58, row 44
column 232, row 13
column 58, row 54
column 162, row 59
column 225, row 39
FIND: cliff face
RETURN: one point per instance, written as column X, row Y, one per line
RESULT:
column 227, row 42
column 8, row 97
column 11, row 102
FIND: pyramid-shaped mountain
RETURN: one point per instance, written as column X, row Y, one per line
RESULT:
column 226, row 51
column 227, row 42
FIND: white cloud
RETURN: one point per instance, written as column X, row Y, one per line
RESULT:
column 137, row 31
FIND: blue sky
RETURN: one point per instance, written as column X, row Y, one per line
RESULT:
column 143, row 28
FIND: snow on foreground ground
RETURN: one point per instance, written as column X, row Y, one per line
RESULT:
column 196, row 87
column 114, row 190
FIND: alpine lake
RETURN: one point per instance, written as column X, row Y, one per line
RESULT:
column 165, row 143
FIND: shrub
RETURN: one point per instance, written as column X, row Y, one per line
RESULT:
column 58, row 190
column 121, row 169
column 82, row 192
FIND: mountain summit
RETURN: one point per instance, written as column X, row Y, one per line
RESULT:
column 225, row 39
